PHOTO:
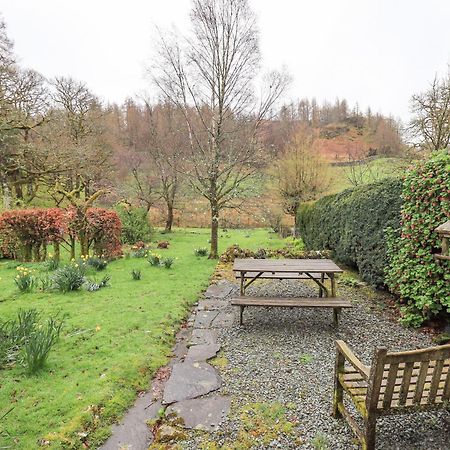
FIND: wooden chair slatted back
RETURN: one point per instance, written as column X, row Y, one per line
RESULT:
column 409, row 379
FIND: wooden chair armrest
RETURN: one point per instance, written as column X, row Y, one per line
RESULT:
column 345, row 351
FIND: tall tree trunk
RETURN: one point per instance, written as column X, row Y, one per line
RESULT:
column 27, row 252
column 296, row 222
column 37, row 252
column 84, row 243
column 72, row 247
column 7, row 200
column 214, row 253
column 169, row 218
column 57, row 251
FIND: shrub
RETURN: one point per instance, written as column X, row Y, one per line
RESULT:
column 38, row 344
column 163, row 244
column 202, row 251
column 45, row 283
column 27, row 340
column 24, row 233
column 154, row 259
column 104, row 232
column 167, row 262
column 136, row 274
column 98, row 264
column 422, row 282
column 25, row 280
column 135, row 224
column 139, row 253
column 93, row 286
column 233, row 252
column 68, row 278
column 50, row 264
column 14, row 333
column 352, row 224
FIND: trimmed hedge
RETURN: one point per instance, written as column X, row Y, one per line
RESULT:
column 352, row 224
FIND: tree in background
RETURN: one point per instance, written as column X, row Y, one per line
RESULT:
column 87, row 153
column 23, row 108
column 168, row 146
column 210, row 78
column 431, row 121
column 301, row 175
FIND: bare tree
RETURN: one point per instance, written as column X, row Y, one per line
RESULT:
column 168, row 145
column 301, row 174
column 23, row 108
column 81, row 118
column 210, row 77
column 431, row 109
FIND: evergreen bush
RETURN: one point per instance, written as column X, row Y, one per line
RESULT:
column 353, row 225
column 135, row 224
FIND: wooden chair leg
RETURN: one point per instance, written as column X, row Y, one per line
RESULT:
column 370, row 424
column 338, row 395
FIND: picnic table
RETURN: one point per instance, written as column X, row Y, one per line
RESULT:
column 321, row 271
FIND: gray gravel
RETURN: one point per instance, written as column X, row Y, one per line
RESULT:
column 287, row 356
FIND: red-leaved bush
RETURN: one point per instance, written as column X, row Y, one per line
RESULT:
column 104, row 232
column 25, row 234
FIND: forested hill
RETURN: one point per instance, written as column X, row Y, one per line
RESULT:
column 340, row 133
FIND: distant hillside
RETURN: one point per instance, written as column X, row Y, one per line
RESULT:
column 342, row 134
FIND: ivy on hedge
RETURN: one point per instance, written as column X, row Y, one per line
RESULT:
column 422, row 282
column 352, row 224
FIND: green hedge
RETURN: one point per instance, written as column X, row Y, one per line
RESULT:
column 352, row 224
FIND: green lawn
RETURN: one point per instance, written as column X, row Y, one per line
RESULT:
column 112, row 342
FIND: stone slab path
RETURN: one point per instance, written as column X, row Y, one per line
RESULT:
column 188, row 393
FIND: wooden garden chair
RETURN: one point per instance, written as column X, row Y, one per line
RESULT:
column 395, row 383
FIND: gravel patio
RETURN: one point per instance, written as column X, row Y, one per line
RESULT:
column 286, row 356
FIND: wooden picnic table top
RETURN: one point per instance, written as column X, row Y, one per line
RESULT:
column 286, row 265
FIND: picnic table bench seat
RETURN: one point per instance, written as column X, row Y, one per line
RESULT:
column 281, row 275
column 305, row 302
column 401, row 382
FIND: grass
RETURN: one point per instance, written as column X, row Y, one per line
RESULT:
column 378, row 169
column 112, row 343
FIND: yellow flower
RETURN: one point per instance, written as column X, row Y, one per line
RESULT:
column 97, row 328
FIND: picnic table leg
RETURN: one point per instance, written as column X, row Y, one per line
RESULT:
column 336, row 315
column 333, row 284
column 241, row 315
column 322, row 280
column 242, row 283
column 336, row 311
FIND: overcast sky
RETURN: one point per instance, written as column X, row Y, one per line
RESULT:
column 376, row 52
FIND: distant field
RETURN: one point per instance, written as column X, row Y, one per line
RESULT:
column 263, row 197
column 374, row 170
column 260, row 196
